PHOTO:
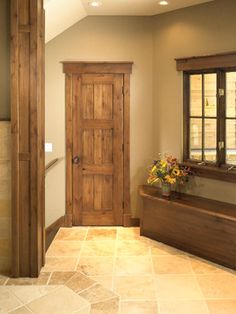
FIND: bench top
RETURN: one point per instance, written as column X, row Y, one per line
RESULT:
column 206, row 205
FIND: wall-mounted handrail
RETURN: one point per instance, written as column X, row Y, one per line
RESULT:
column 50, row 164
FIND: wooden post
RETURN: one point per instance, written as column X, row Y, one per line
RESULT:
column 27, row 116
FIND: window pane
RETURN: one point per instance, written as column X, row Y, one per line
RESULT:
column 210, row 140
column 196, row 139
column 210, row 100
column 231, row 94
column 231, row 142
column 196, row 95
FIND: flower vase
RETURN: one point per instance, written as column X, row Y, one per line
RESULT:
column 165, row 189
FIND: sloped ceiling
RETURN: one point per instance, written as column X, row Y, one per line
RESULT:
column 62, row 14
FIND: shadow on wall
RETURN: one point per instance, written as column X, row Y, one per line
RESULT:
column 5, row 197
column 140, row 177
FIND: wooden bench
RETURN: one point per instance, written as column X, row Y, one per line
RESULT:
column 197, row 225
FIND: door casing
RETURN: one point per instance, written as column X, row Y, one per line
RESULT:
column 124, row 68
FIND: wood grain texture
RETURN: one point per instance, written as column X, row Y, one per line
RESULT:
column 97, row 67
column 98, row 124
column 197, row 225
column 27, row 106
column 224, row 60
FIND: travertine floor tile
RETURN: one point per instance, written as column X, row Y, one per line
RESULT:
column 96, row 266
column 162, row 249
column 128, row 234
column 177, row 287
column 84, row 310
column 64, row 248
column 101, row 234
column 133, row 265
column 201, row 266
column 132, row 248
column 60, row 278
column 218, row 285
column 222, row 306
column 3, row 279
column 106, row 307
column 172, row 264
column 79, row 282
column 21, row 310
column 98, row 248
column 97, row 293
column 71, row 234
column 135, row 287
column 60, row 264
column 105, row 281
column 41, row 280
column 27, row 294
column 183, row 307
column 138, row 307
column 8, row 301
column 61, row 301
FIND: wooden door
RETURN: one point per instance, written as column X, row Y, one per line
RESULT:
column 97, row 149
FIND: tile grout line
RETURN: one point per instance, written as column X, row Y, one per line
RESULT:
column 154, row 281
column 82, row 245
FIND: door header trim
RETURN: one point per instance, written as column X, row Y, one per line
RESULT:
column 70, row 67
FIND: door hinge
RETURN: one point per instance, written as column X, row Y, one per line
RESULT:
column 123, row 147
column 123, row 90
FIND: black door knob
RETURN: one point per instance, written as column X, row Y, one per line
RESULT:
column 76, row 160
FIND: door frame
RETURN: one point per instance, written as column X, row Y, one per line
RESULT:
column 78, row 67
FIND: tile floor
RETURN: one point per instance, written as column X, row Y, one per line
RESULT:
column 115, row 271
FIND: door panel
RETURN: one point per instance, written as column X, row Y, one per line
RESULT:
column 98, row 141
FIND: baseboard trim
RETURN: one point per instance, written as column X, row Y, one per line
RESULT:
column 134, row 222
column 130, row 222
column 52, row 230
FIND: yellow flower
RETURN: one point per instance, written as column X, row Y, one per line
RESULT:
column 169, row 179
column 176, row 172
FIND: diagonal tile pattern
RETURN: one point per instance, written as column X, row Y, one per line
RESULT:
column 113, row 270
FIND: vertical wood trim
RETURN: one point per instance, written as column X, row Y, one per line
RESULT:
column 14, row 139
column 186, row 116
column 77, row 150
column 28, row 232
column 127, row 210
column 118, row 192
column 69, row 147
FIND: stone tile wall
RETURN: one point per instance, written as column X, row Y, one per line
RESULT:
column 5, row 197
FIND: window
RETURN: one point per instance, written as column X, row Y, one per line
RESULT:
column 210, row 115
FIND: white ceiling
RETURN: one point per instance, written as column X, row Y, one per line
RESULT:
column 61, row 14
column 137, row 7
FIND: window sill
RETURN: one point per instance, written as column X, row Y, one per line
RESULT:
column 211, row 172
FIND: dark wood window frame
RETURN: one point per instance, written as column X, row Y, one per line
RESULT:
column 219, row 64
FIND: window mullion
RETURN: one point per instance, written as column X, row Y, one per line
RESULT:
column 203, row 117
column 221, row 101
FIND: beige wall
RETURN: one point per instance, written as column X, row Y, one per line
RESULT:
column 5, row 196
column 156, row 87
column 200, row 30
column 100, row 39
column 4, row 60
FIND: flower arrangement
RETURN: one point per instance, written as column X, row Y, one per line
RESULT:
column 168, row 171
